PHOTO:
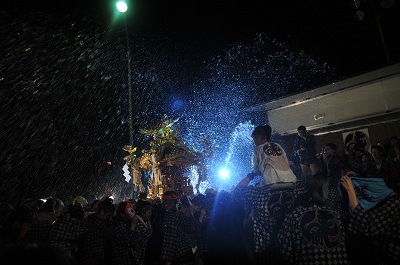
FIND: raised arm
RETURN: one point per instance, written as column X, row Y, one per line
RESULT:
column 244, row 182
column 348, row 186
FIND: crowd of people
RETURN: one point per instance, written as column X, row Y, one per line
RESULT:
column 336, row 210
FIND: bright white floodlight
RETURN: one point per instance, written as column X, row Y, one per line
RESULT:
column 224, row 173
column 122, row 6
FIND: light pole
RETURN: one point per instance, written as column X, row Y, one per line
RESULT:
column 123, row 7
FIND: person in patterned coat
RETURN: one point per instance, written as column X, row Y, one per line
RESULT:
column 142, row 231
column 313, row 234
column 156, row 237
column 93, row 248
column 269, row 205
column 67, row 231
column 177, row 228
column 43, row 222
column 123, row 243
column 374, row 211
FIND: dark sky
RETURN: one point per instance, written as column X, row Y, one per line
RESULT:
column 326, row 30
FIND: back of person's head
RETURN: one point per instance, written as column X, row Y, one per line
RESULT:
column 186, row 201
column 49, row 206
column 76, row 211
column 170, row 195
column 105, row 205
column 210, row 193
column 302, row 128
column 37, row 204
column 121, row 207
column 170, row 200
column 316, row 182
column 332, row 146
column 142, row 206
column 263, row 130
column 198, row 199
column 143, row 195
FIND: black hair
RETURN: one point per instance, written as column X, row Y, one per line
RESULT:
column 121, row 207
column 198, row 199
column 331, row 146
column 76, row 211
column 48, row 206
column 380, row 149
column 302, row 128
column 172, row 194
column 106, row 205
column 186, row 201
column 142, row 206
column 143, row 195
column 263, row 130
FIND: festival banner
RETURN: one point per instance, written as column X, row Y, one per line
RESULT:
column 360, row 137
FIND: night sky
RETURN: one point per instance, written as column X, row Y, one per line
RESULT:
column 63, row 84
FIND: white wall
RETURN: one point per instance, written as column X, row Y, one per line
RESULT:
column 371, row 99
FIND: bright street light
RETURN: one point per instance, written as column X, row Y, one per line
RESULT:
column 122, row 6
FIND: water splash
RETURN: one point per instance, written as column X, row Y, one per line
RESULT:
column 64, row 104
column 241, row 137
column 237, row 160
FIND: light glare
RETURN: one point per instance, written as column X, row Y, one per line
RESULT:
column 224, row 173
column 122, row 6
